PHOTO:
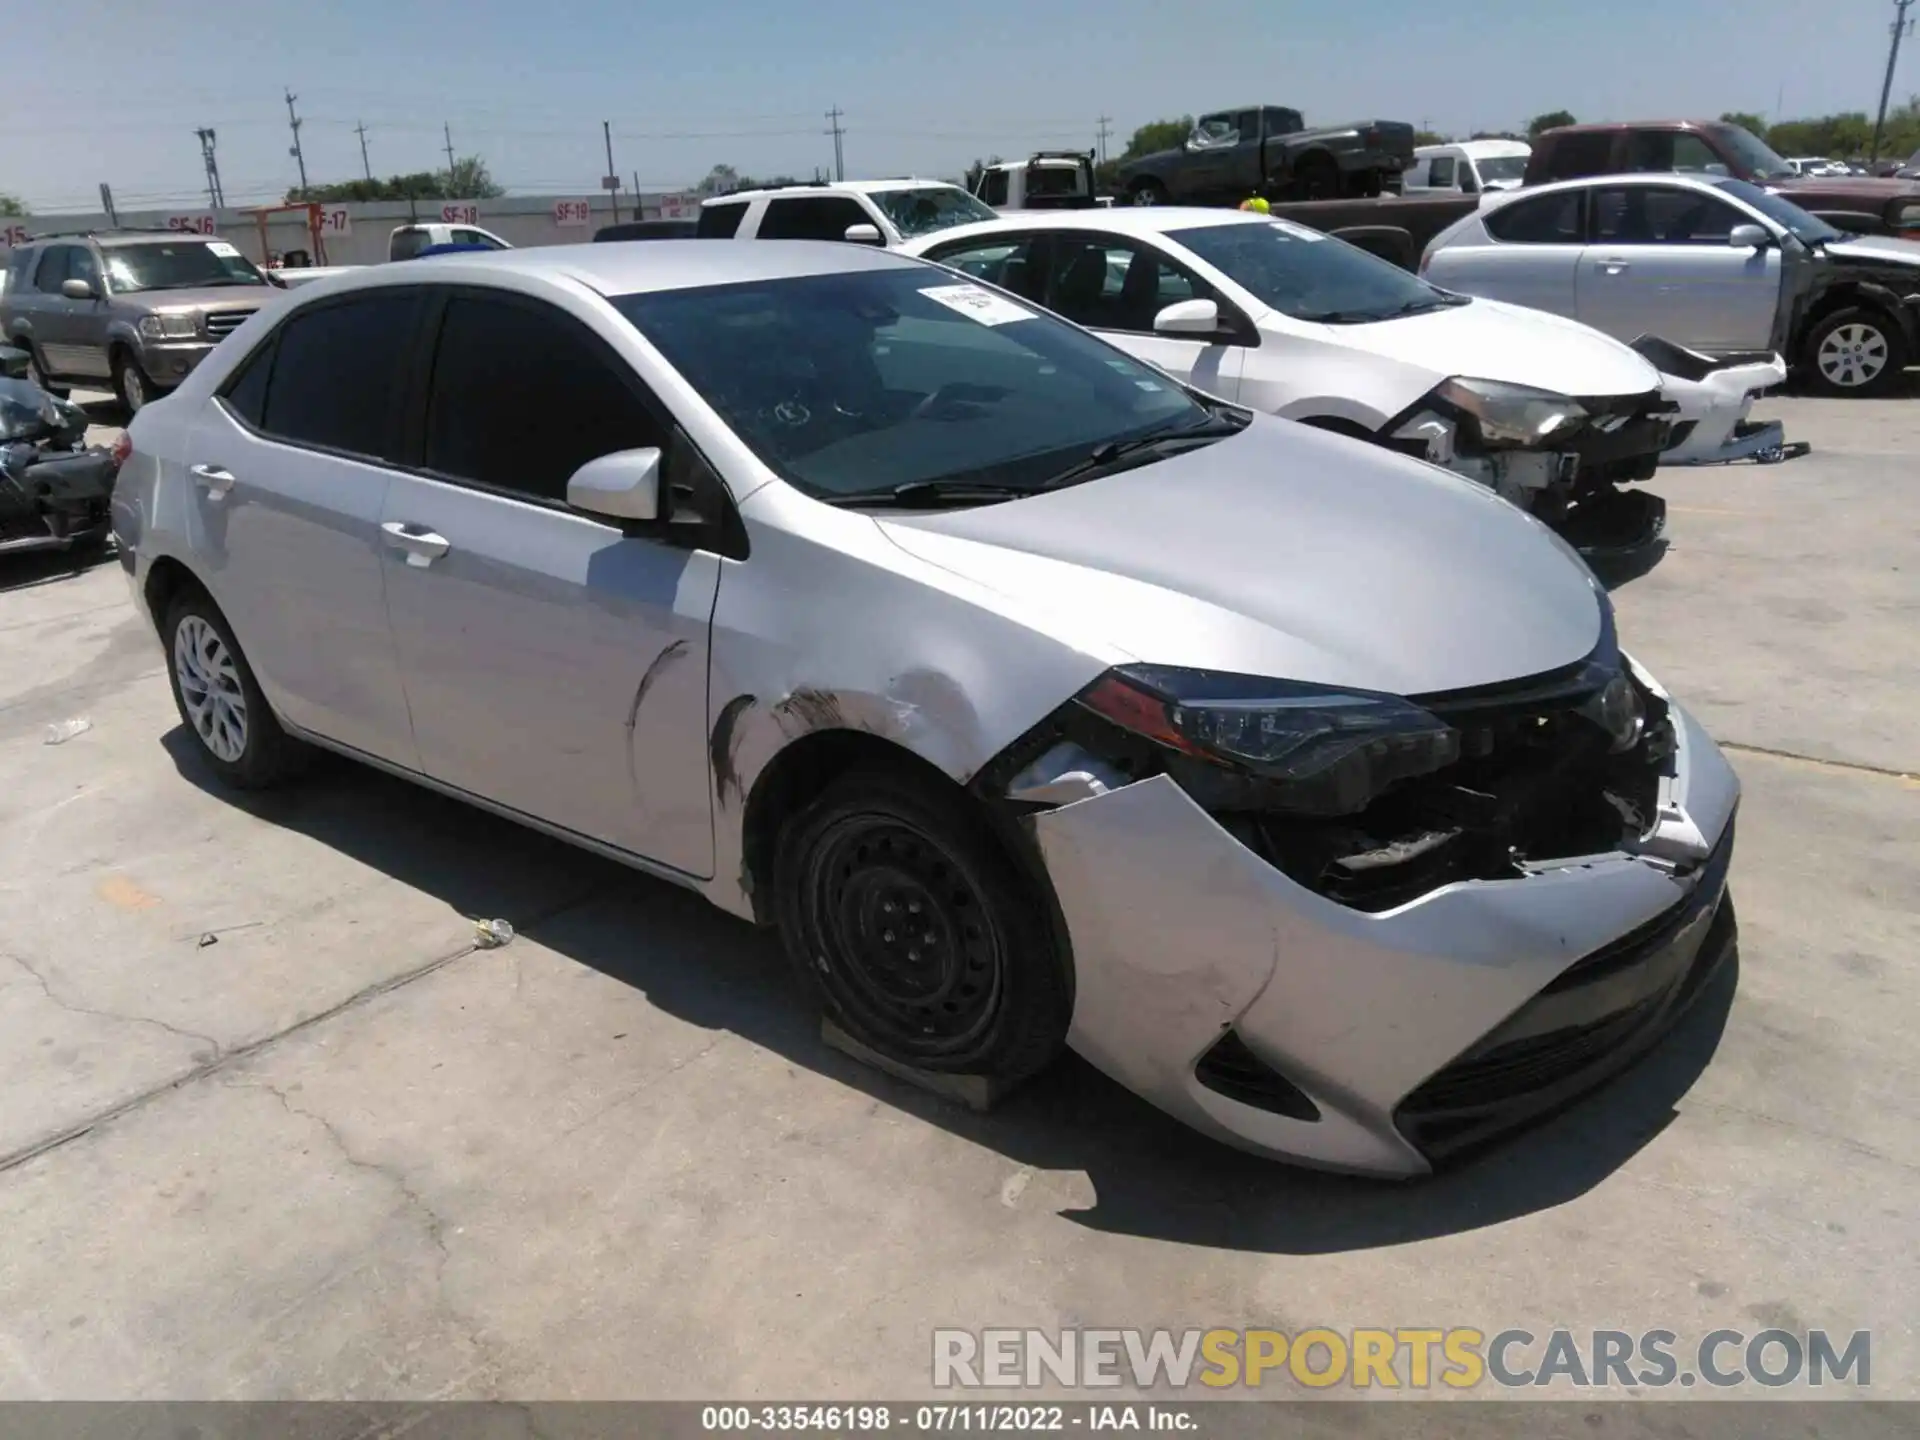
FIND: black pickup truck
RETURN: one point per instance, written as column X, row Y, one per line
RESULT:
column 1267, row 150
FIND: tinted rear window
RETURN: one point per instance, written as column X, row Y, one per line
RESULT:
column 1585, row 152
column 721, row 222
column 338, row 372
column 1538, row 220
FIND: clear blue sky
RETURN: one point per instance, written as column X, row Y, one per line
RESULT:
column 110, row 90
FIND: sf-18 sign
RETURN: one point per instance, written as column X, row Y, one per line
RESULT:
column 460, row 212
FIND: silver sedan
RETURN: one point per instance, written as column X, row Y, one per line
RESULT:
column 1034, row 698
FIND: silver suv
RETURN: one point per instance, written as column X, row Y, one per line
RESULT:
column 136, row 309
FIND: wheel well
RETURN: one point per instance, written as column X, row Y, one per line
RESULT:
column 1339, row 425
column 167, row 579
column 1844, row 297
column 796, row 777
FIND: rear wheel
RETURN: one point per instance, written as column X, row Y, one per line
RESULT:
column 916, row 932
column 220, row 701
column 1856, row 351
column 1148, row 192
column 1318, row 177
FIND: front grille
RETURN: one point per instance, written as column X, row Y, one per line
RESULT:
column 221, row 323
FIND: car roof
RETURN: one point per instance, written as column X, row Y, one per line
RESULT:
column 629, row 269
column 839, row 187
column 1117, row 220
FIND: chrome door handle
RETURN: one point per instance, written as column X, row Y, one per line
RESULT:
column 423, row 547
column 212, row 479
column 1614, row 267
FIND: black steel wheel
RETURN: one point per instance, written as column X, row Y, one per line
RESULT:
column 915, row 931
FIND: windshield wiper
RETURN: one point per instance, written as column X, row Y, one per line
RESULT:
column 927, row 495
column 1224, row 422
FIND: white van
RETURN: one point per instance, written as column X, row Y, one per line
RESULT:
column 1467, row 167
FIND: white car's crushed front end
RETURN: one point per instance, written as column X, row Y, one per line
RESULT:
column 1715, row 399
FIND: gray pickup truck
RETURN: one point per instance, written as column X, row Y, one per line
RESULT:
column 1267, row 150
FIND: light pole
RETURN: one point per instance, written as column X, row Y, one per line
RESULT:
column 1901, row 26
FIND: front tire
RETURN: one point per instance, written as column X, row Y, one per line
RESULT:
column 915, row 931
column 132, row 384
column 1856, row 351
column 219, row 700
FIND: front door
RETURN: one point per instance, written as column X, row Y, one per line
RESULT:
column 1660, row 263
column 288, row 469
column 1116, row 286
column 60, row 323
column 554, row 664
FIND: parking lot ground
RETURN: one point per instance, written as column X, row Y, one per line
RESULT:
column 273, row 1126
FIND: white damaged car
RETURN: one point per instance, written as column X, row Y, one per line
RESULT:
column 1035, row 700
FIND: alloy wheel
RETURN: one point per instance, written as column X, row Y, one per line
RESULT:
column 210, row 690
column 1852, row 356
column 135, row 384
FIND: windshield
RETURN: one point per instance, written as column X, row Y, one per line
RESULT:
column 1501, row 167
column 1752, row 155
column 1310, row 276
column 870, row 380
column 938, row 207
column 181, row 265
column 1807, row 229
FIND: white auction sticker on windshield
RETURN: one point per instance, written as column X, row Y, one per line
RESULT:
column 1298, row 231
column 977, row 304
column 223, row 249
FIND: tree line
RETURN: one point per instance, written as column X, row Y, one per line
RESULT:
column 467, row 179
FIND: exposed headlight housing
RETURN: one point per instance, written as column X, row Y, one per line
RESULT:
column 1907, row 217
column 1511, row 417
column 1336, row 748
column 169, row 327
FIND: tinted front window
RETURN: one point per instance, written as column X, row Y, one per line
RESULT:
column 406, row 244
column 1655, row 215
column 1538, row 220
column 1109, row 284
column 1807, row 229
column 864, row 381
column 938, row 207
column 338, row 371
column 1006, row 261
column 1307, row 275
column 181, row 265
column 1501, row 167
column 52, row 269
column 522, row 397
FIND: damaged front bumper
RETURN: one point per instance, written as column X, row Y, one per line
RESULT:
column 1572, row 486
column 1714, row 428
column 1275, row 1019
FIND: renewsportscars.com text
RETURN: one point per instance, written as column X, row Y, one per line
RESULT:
column 1460, row 1358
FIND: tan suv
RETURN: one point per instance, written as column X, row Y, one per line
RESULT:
column 136, row 309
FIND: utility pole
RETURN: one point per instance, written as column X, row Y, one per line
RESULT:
column 360, row 129
column 214, row 196
column 1902, row 26
column 447, row 131
column 1106, row 124
column 839, row 161
column 613, row 193
column 293, row 123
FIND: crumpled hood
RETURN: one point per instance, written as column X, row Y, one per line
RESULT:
column 1887, row 250
column 1290, row 552
column 1491, row 340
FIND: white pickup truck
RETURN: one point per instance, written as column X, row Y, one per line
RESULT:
column 1046, row 180
column 404, row 243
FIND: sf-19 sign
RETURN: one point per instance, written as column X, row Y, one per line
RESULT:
column 572, row 214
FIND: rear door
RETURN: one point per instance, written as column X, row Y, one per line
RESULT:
column 1529, row 258
column 1660, row 264
column 1116, row 285
column 531, row 634
column 288, row 469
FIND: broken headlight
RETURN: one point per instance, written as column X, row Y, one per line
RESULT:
column 1511, row 417
column 1334, row 748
